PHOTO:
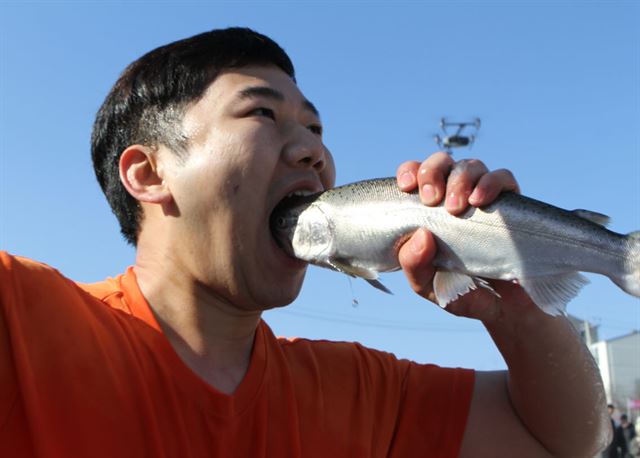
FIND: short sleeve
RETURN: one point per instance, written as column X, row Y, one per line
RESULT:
column 433, row 412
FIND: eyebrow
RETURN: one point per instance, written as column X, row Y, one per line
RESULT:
column 268, row 92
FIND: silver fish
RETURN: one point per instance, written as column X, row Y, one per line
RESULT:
column 358, row 229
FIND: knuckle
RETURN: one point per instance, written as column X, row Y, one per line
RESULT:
column 508, row 179
column 441, row 155
column 467, row 169
column 473, row 164
column 460, row 178
column 430, row 174
column 439, row 160
column 506, row 173
column 408, row 166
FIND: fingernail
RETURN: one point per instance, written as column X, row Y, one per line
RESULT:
column 454, row 201
column 429, row 194
column 418, row 242
column 406, row 179
column 476, row 196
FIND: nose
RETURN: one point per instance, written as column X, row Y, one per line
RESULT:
column 305, row 149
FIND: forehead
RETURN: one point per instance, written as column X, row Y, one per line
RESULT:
column 233, row 87
column 236, row 84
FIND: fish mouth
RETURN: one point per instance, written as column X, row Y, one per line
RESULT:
column 284, row 218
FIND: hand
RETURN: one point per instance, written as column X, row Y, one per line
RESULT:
column 464, row 183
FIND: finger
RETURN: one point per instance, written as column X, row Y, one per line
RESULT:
column 461, row 183
column 406, row 175
column 432, row 177
column 491, row 185
column 415, row 257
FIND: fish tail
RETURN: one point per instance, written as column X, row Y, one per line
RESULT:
column 630, row 279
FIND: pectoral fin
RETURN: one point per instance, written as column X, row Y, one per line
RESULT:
column 552, row 293
column 378, row 285
column 354, row 271
column 371, row 276
column 448, row 286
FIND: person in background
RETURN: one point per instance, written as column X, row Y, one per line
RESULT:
column 625, row 433
column 611, row 451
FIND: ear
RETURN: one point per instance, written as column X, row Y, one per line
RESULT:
column 141, row 176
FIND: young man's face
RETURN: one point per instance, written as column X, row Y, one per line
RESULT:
column 254, row 138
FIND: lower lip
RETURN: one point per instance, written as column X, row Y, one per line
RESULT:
column 289, row 261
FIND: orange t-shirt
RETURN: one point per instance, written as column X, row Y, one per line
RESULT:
column 85, row 371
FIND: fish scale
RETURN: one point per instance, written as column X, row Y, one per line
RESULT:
column 358, row 229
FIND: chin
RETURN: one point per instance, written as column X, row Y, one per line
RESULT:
column 282, row 300
column 279, row 297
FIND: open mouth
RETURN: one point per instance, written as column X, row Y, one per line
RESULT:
column 284, row 218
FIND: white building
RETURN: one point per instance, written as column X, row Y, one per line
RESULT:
column 588, row 331
column 619, row 362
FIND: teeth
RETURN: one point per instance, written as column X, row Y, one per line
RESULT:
column 301, row 192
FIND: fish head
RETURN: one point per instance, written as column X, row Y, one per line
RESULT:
column 302, row 229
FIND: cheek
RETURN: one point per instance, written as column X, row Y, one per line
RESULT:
column 215, row 173
column 328, row 175
column 231, row 169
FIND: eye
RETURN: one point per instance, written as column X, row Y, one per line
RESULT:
column 281, row 222
column 262, row 111
column 315, row 128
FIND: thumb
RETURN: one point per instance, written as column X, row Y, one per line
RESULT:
column 415, row 257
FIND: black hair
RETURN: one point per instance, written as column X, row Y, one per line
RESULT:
column 147, row 103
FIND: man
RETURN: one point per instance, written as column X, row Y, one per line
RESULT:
column 624, row 434
column 194, row 146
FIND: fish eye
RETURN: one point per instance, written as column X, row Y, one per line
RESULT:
column 281, row 222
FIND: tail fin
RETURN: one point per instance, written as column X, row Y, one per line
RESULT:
column 630, row 281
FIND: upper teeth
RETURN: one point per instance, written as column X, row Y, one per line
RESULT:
column 301, row 192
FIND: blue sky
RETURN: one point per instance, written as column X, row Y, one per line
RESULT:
column 555, row 83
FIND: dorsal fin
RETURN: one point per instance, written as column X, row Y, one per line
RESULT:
column 594, row 217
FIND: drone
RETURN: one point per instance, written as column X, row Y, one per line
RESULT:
column 457, row 140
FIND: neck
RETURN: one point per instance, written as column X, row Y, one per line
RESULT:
column 212, row 336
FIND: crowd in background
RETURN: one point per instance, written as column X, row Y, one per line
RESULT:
column 626, row 443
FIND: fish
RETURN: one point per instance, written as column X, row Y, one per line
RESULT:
column 358, row 229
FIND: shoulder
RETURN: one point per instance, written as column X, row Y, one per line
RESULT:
column 20, row 272
column 336, row 367
column 346, row 360
column 339, row 354
column 26, row 281
column 10, row 263
column 422, row 406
